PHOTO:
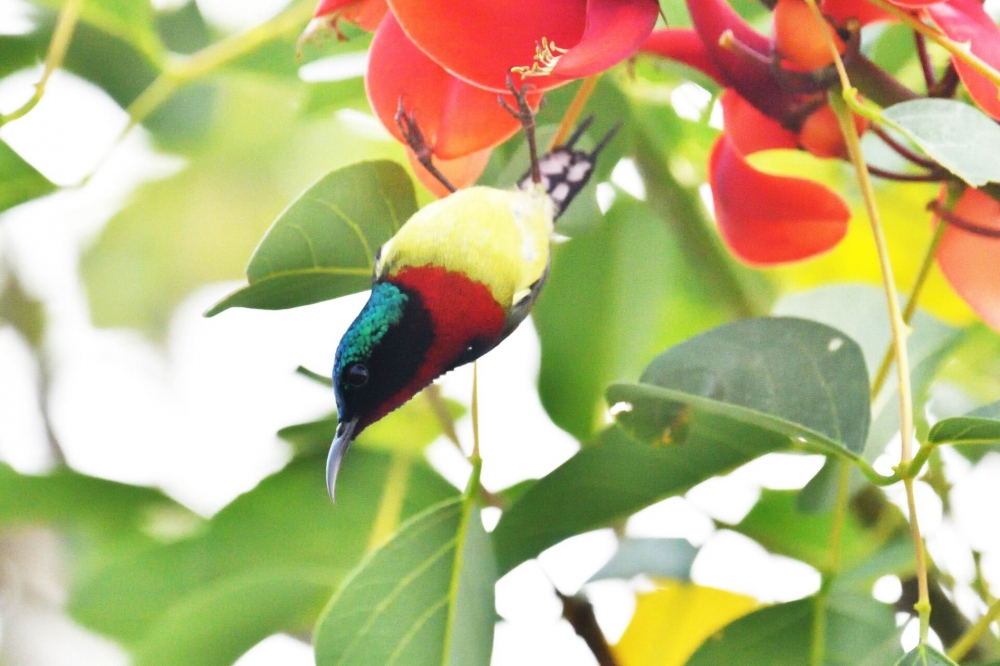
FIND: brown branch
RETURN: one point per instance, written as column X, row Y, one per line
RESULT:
column 902, row 150
column 925, row 61
column 579, row 612
column 958, row 221
column 931, row 177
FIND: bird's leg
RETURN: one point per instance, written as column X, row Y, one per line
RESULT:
column 414, row 138
column 524, row 114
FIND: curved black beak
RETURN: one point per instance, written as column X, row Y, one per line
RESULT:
column 345, row 435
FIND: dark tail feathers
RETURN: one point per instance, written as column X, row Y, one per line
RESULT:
column 565, row 171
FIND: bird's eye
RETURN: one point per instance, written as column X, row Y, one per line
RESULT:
column 356, row 375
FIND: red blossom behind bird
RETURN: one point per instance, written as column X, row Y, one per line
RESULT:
column 448, row 62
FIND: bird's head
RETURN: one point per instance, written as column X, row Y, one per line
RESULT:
column 377, row 364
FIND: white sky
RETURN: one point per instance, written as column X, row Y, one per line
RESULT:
column 198, row 418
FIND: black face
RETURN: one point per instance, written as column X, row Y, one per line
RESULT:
column 380, row 353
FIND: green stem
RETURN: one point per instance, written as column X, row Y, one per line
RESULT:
column 899, row 328
column 61, row 38
column 911, row 303
column 472, row 489
column 213, row 57
column 975, row 632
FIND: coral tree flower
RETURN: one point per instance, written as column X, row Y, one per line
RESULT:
column 964, row 21
column 448, row 61
column 765, row 219
column 967, row 258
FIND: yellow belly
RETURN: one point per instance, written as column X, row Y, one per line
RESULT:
column 497, row 237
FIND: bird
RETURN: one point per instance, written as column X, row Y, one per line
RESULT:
column 456, row 279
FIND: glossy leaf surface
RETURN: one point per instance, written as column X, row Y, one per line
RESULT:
column 960, row 137
column 425, row 597
column 323, row 245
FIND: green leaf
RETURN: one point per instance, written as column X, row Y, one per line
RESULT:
column 21, row 182
column 218, row 623
column 323, row 245
column 108, row 520
column 426, row 597
column 858, row 631
column 615, row 296
column 286, row 524
column 612, row 479
column 657, row 558
column 958, row 136
column 809, row 375
column 776, row 523
column 925, row 655
column 979, row 430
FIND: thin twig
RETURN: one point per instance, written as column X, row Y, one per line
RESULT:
column 61, row 38
column 975, row 632
column 576, row 108
column 903, row 150
column 965, row 225
column 579, row 612
column 930, row 78
column 932, row 177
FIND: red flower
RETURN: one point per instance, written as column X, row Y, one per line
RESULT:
column 964, row 21
column 448, row 61
column 968, row 259
column 763, row 218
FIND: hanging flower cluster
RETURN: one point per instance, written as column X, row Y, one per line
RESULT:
column 448, row 62
column 775, row 97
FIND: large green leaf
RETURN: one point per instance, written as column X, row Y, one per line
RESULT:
column 925, row 655
column 777, row 523
column 323, row 245
column 810, row 378
column 107, row 520
column 958, row 136
column 426, row 597
column 858, row 630
column 615, row 296
column 977, row 432
column 807, row 374
column 217, row 623
column 284, row 526
column 20, row 182
column 612, row 479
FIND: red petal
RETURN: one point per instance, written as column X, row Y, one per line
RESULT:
column 865, row 12
column 750, row 76
column 970, row 261
column 614, row 31
column 914, row 4
column 965, row 21
column 684, row 46
column 460, row 172
column 456, row 118
column 769, row 219
column 750, row 130
column 365, row 13
column 480, row 40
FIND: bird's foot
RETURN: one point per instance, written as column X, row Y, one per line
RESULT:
column 526, row 116
column 414, row 137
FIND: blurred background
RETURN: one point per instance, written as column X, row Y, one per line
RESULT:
column 107, row 364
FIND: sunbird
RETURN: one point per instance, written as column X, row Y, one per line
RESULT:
column 457, row 278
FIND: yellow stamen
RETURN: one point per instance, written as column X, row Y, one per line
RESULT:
column 547, row 56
